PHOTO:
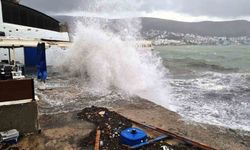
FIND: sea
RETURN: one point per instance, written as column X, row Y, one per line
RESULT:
column 203, row 84
column 210, row 84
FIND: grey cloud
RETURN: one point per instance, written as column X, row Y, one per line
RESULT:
column 56, row 6
column 211, row 8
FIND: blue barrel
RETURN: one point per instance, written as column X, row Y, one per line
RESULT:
column 133, row 136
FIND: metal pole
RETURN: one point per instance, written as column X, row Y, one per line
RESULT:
column 9, row 56
column 14, row 55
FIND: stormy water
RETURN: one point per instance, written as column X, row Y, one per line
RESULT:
column 211, row 84
column 205, row 84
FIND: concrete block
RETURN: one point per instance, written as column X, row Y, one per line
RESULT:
column 22, row 116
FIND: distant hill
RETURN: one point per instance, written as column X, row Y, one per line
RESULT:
column 207, row 28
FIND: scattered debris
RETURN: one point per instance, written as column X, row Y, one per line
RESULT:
column 110, row 125
column 102, row 113
column 4, row 146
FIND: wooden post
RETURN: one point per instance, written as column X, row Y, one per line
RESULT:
column 97, row 139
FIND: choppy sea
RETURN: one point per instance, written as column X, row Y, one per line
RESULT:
column 211, row 84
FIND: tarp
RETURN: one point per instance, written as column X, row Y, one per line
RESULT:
column 41, row 66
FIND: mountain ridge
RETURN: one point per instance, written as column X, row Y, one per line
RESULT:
column 234, row 28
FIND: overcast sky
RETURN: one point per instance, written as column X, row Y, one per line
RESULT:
column 182, row 10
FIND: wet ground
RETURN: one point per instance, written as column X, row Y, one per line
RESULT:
column 65, row 131
column 60, row 131
column 62, row 99
column 67, row 95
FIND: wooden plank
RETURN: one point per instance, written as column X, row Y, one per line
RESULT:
column 97, row 139
column 13, row 90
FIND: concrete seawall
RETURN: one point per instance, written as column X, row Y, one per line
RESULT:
column 23, row 117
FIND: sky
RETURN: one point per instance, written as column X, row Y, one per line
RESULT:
column 181, row 10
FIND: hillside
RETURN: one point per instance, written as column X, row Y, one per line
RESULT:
column 207, row 28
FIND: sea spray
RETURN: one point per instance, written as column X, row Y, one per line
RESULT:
column 106, row 59
column 105, row 62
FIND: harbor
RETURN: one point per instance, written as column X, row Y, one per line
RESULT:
column 97, row 84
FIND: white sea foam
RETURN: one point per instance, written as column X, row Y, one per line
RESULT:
column 215, row 98
column 104, row 60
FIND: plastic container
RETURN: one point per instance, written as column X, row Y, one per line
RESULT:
column 133, row 136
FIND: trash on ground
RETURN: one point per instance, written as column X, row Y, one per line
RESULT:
column 118, row 132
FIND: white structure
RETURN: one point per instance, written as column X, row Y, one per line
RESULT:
column 18, row 21
column 21, row 26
